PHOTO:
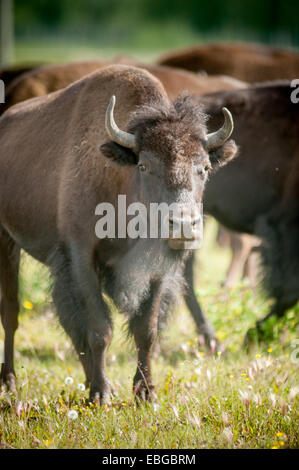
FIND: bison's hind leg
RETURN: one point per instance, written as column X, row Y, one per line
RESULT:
column 9, row 306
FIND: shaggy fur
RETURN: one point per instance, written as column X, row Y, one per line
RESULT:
column 56, row 224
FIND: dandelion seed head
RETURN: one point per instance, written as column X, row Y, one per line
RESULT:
column 72, row 414
column 69, row 381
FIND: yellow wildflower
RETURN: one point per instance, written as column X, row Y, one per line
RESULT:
column 28, row 305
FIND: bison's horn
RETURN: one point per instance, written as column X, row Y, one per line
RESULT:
column 216, row 139
column 117, row 135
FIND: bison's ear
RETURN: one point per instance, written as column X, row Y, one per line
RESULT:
column 224, row 154
column 119, row 154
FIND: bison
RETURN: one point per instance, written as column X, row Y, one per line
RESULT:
column 265, row 178
column 9, row 74
column 62, row 155
column 248, row 62
column 50, row 78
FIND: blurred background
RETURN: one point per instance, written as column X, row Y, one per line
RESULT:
column 57, row 30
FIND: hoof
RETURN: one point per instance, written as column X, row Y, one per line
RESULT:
column 8, row 382
column 100, row 396
column 211, row 343
column 143, row 391
column 99, row 399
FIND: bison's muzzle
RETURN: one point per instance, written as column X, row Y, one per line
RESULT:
column 185, row 230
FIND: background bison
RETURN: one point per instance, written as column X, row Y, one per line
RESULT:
column 43, row 80
column 265, row 178
column 248, row 62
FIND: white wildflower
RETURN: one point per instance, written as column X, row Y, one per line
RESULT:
column 72, row 414
column 69, row 381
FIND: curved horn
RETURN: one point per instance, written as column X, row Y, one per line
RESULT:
column 117, row 135
column 216, row 139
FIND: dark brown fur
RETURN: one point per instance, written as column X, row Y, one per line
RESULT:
column 258, row 192
column 248, row 62
column 51, row 78
column 56, row 166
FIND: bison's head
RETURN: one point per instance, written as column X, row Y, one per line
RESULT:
column 173, row 155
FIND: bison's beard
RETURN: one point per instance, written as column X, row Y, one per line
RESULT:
column 148, row 260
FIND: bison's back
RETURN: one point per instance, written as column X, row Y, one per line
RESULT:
column 246, row 62
column 44, row 80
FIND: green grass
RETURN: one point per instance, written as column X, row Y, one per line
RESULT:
column 239, row 400
column 147, row 46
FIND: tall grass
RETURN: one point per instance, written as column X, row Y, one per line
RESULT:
column 238, row 400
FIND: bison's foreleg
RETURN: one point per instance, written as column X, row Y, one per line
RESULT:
column 9, row 266
column 70, row 309
column 144, row 327
column 98, row 323
column 204, row 327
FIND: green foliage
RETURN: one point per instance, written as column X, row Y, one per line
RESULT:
column 115, row 22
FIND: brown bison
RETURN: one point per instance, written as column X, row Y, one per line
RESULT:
column 248, row 62
column 61, row 156
column 9, row 74
column 265, row 178
column 50, row 78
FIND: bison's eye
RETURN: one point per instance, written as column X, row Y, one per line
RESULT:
column 142, row 167
column 201, row 171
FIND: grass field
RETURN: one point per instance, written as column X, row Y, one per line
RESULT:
column 239, row 400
